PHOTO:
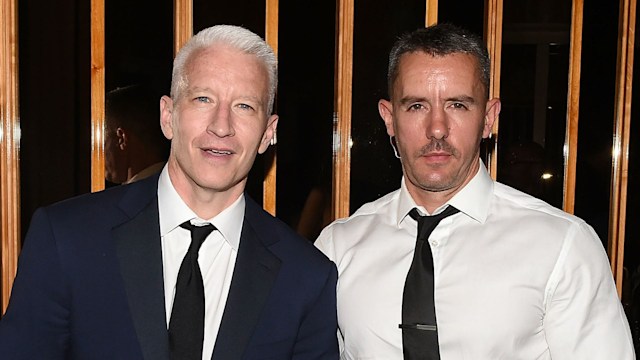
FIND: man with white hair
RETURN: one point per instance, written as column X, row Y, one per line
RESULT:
column 181, row 265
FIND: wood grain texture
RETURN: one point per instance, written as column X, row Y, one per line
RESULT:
column 271, row 156
column 97, row 95
column 622, row 128
column 342, row 110
column 493, row 38
column 9, row 146
column 573, row 106
column 431, row 17
column 182, row 23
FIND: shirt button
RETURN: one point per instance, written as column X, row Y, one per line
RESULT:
column 433, row 242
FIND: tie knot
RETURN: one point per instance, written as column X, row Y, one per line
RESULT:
column 198, row 233
column 450, row 210
column 426, row 223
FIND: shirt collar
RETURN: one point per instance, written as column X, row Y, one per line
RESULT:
column 173, row 211
column 473, row 199
column 405, row 203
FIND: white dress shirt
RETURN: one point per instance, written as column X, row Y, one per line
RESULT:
column 217, row 256
column 515, row 278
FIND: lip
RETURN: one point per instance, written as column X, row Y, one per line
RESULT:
column 439, row 157
column 217, row 152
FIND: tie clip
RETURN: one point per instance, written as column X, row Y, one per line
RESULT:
column 418, row 327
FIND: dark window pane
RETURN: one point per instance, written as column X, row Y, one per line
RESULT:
column 595, row 129
column 374, row 169
column 305, row 106
column 55, row 102
column 534, row 82
column 466, row 13
column 246, row 13
column 139, row 44
column 138, row 55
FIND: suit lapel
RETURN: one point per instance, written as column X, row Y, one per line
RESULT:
column 255, row 272
column 139, row 252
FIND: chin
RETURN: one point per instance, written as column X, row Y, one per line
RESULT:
column 436, row 184
column 218, row 183
column 215, row 185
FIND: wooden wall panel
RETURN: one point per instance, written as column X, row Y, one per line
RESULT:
column 97, row 95
column 9, row 147
column 493, row 37
column 573, row 102
column 622, row 128
column 269, row 184
column 431, row 16
column 342, row 108
column 183, row 23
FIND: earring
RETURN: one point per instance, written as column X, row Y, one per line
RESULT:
column 274, row 139
column 392, row 140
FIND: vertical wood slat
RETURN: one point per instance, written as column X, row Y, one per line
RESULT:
column 97, row 95
column 622, row 128
column 573, row 102
column 271, row 156
column 431, row 17
column 9, row 146
column 493, row 37
column 182, row 23
column 342, row 112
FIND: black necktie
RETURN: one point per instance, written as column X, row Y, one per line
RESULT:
column 186, row 326
column 419, row 330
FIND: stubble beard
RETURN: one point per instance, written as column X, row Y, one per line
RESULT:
column 425, row 179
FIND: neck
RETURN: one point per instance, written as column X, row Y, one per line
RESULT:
column 430, row 200
column 208, row 204
column 204, row 202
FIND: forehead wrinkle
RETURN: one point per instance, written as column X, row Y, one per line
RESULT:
column 206, row 89
column 194, row 89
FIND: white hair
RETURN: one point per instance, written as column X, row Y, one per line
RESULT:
column 234, row 36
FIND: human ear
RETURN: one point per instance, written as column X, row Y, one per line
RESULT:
column 491, row 115
column 269, row 134
column 166, row 116
column 121, row 137
column 385, row 108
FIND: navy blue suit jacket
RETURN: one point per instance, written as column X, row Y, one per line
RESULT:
column 90, row 286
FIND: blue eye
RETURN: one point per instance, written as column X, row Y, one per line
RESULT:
column 245, row 107
column 202, row 99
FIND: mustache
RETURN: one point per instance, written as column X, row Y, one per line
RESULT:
column 438, row 145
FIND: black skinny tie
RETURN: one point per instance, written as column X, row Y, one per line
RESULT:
column 419, row 330
column 186, row 326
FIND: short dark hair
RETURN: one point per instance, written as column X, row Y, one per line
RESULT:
column 440, row 40
column 136, row 108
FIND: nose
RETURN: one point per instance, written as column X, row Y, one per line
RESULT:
column 221, row 122
column 437, row 124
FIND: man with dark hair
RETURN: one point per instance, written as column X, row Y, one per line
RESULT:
column 454, row 265
column 135, row 147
